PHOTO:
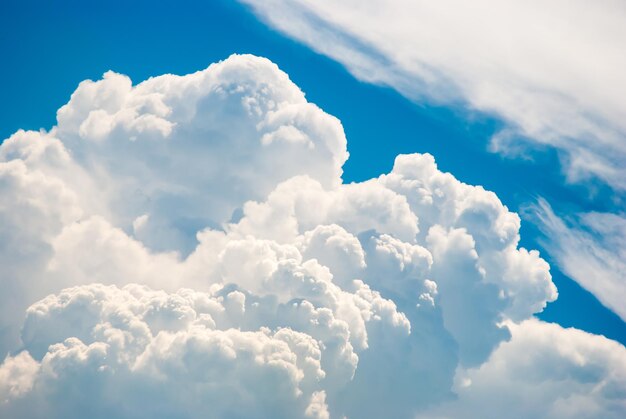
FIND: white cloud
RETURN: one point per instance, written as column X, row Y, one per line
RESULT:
column 553, row 71
column 545, row 371
column 167, row 147
column 33, row 210
column 177, row 353
column 244, row 278
column 591, row 249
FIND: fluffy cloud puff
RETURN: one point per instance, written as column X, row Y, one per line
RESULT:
column 186, row 247
column 103, row 343
column 545, row 371
column 161, row 153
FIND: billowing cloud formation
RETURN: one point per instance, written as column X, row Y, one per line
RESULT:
column 591, row 248
column 552, row 72
column 186, row 247
column 160, row 154
column 545, row 371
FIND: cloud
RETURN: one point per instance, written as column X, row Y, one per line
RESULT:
column 163, row 151
column 544, row 371
column 176, row 248
column 551, row 72
column 178, row 354
column 591, row 249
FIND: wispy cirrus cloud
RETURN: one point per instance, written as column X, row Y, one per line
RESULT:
column 552, row 72
column 590, row 248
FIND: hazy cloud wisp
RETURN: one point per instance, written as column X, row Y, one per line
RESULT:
column 552, row 72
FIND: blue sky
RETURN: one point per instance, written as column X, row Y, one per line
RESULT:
column 48, row 48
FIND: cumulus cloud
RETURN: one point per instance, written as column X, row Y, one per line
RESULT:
column 591, row 249
column 162, row 151
column 551, row 72
column 545, row 371
column 103, row 343
column 186, row 247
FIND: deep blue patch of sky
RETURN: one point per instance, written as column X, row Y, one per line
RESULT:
column 48, row 47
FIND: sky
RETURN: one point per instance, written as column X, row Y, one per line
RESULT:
column 492, row 119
